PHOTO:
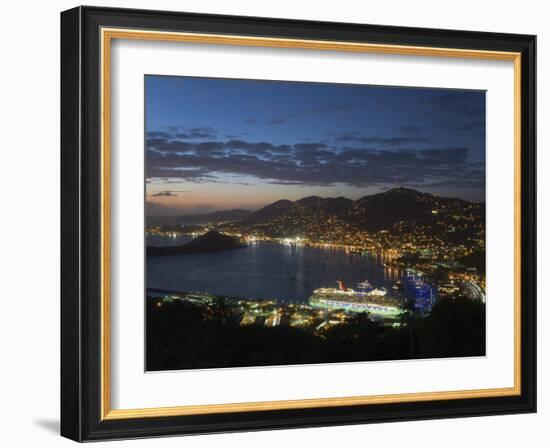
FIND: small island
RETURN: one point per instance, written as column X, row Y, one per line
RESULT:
column 211, row 241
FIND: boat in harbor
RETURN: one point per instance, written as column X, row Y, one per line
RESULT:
column 364, row 299
column 364, row 286
column 398, row 286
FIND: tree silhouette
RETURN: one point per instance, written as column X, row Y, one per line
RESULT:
column 182, row 335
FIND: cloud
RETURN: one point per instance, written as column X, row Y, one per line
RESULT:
column 356, row 137
column 159, row 147
column 168, row 193
column 250, row 121
column 257, row 147
column 163, row 193
column 158, row 134
column 368, row 161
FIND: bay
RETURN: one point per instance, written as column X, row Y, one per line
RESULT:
column 266, row 270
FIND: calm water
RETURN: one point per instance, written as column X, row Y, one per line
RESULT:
column 265, row 270
column 155, row 240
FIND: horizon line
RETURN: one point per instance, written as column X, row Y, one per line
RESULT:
column 307, row 197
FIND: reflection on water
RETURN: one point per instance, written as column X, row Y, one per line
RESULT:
column 162, row 241
column 266, row 270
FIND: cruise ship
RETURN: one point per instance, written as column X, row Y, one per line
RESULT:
column 364, row 299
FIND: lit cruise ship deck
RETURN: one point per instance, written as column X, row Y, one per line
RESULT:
column 367, row 299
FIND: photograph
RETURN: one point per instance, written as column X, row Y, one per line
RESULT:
column 288, row 221
column 295, row 223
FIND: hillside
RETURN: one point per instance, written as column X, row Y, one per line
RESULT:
column 383, row 210
column 372, row 213
column 209, row 242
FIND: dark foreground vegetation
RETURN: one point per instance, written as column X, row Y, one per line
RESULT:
column 185, row 336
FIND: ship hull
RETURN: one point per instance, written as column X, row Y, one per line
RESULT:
column 356, row 307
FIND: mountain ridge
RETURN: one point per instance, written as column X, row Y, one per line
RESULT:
column 371, row 212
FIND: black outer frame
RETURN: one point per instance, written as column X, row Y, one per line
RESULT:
column 80, row 224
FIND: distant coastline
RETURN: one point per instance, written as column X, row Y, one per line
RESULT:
column 211, row 241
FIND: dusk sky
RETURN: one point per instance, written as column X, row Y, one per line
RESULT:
column 220, row 144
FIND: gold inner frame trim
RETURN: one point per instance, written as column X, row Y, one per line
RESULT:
column 107, row 35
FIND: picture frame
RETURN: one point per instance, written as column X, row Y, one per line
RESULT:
column 86, row 238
